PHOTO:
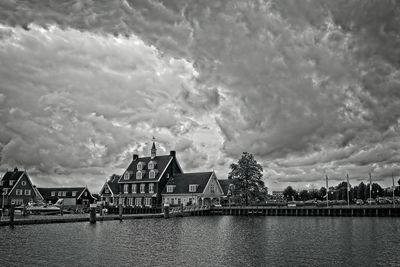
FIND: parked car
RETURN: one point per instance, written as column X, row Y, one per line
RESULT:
column 381, row 200
column 370, row 201
column 359, row 202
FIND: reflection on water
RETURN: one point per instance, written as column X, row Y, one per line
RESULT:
column 206, row 241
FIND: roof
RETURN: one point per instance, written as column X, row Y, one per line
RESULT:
column 11, row 175
column 225, row 185
column 183, row 180
column 46, row 192
column 113, row 183
column 161, row 163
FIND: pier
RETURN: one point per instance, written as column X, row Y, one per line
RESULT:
column 341, row 211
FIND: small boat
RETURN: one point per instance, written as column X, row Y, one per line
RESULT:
column 45, row 209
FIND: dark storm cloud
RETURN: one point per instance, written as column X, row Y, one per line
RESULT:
column 308, row 86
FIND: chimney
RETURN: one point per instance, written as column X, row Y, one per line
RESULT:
column 135, row 157
column 15, row 169
column 172, row 153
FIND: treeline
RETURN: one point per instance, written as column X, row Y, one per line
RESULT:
column 339, row 192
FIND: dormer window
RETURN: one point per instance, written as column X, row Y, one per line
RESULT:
column 11, row 182
column 170, row 188
column 192, row 187
column 139, row 175
column 150, row 165
column 140, row 166
column 126, row 175
column 152, row 174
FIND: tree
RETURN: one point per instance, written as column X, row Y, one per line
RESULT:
column 321, row 193
column 289, row 193
column 361, row 191
column 398, row 182
column 304, row 195
column 246, row 176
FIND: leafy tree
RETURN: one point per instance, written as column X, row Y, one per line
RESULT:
column 246, row 176
column 361, row 191
column 289, row 192
column 321, row 193
column 304, row 195
column 398, row 182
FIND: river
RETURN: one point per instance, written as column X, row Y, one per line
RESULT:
column 206, row 241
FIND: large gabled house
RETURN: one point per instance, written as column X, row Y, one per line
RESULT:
column 17, row 188
column 142, row 182
column 201, row 189
column 73, row 197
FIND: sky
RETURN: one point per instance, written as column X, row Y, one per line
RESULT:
column 311, row 88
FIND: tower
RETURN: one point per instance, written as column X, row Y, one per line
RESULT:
column 153, row 149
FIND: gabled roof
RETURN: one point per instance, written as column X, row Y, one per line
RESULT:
column 46, row 192
column 11, row 175
column 183, row 180
column 113, row 183
column 162, row 163
column 225, row 185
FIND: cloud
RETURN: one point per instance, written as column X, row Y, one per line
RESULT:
column 307, row 86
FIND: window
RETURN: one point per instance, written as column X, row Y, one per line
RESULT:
column 151, row 165
column 27, row 192
column 147, row 201
column 53, row 194
column 140, row 166
column 212, row 190
column 134, row 188
column 126, row 176
column 5, row 191
column 106, row 191
column 192, row 187
column 74, row 193
column 11, row 182
column 152, row 174
column 19, row 192
column 23, row 183
column 138, row 201
column 142, row 188
column 139, row 175
column 130, row 201
column 85, row 194
column 126, row 188
column 62, row 193
column 170, row 188
column 151, row 188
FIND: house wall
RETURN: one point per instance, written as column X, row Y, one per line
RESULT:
column 24, row 198
column 213, row 183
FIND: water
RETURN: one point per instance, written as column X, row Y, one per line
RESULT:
column 206, row 241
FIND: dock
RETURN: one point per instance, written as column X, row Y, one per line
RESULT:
column 48, row 219
column 349, row 211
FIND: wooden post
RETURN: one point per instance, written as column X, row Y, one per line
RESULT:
column 12, row 210
column 92, row 213
column 101, row 210
column 120, row 211
column 166, row 211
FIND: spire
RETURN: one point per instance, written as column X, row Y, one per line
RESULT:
column 153, row 149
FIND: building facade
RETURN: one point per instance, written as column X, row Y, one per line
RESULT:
column 187, row 189
column 73, row 197
column 17, row 189
column 141, row 184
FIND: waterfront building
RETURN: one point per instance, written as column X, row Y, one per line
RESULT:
column 73, row 197
column 142, row 182
column 17, row 188
column 201, row 188
column 277, row 194
column 109, row 193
